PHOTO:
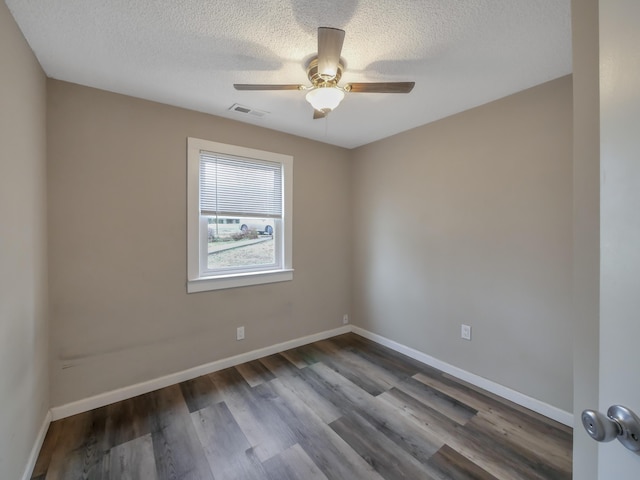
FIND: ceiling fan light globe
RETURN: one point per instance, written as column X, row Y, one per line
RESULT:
column 325, row 98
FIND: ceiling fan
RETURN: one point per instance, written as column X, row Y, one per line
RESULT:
column 324, row 72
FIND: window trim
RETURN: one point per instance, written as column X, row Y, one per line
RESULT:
column 198, row 283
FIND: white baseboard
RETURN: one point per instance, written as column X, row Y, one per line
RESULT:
column 521, row 399
column 124, row 393
column 35, row 451
column 113, row 396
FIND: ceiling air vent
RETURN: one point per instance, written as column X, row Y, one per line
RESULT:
column 248, row 111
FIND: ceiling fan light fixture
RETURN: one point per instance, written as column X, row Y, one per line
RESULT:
column 325, row 98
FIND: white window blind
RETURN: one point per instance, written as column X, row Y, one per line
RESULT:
column 235, row 186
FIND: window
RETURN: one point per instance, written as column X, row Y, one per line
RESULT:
column 238, row 216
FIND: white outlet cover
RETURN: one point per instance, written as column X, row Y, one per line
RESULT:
column 465, row 332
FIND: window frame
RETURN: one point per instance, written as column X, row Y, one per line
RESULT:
column 196, row 282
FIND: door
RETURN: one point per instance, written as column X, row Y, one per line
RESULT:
column 619, row 224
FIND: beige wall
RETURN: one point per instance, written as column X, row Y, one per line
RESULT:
column 469, row 220
column 24, row 382
column 466, row 220
column 120, row 313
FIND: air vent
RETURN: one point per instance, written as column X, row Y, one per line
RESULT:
column 248, row 111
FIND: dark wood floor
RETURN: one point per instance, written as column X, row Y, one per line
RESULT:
column 344, row 408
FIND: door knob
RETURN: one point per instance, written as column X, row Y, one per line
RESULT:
column 619, row 422
column 600, row 427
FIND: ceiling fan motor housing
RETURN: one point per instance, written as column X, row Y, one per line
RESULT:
column 318, row 80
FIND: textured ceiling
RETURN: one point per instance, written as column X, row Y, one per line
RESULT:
column 189, row 53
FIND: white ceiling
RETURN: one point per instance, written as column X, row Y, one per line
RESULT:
column 189, row 53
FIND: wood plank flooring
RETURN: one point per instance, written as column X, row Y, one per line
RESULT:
column 344, row 409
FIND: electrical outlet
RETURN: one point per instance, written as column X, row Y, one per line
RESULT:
column 465, row 332
column 345, row 319
column 240, row 333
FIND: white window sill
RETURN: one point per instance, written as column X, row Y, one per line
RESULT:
column 238, row 280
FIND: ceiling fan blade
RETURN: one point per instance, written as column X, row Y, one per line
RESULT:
column 249, row 86
column 319, row 114
column 330, row 42
column 382, row 87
